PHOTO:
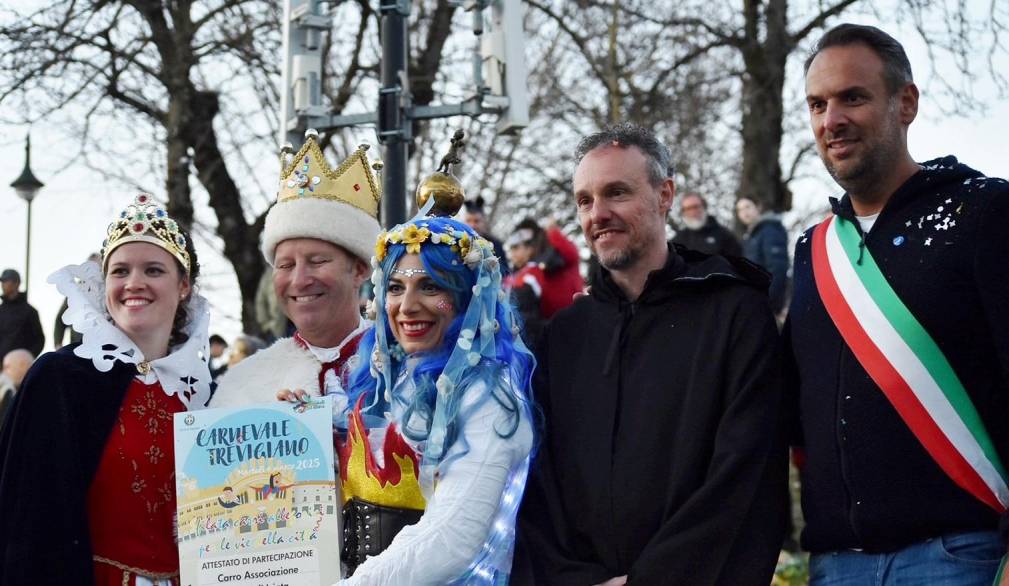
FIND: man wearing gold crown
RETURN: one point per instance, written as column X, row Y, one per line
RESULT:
column 317, row 238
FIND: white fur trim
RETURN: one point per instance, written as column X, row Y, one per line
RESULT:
column 255, row 380
column 324, row 219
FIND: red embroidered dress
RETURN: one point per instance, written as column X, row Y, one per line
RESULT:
column 131, row 502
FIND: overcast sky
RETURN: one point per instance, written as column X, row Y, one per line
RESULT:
column 71, row 213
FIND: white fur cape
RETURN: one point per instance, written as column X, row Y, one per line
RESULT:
column 284, row 365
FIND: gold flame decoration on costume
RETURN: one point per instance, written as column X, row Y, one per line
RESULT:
column 393, row 485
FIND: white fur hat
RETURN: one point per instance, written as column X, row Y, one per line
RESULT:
column 314, row 201
column 328, row 220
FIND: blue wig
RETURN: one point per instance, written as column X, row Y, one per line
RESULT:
column 481, row 344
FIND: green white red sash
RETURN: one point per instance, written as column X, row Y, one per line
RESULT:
column 905, row 362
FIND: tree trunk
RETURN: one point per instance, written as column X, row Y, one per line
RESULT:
column 180, row 202
column 763, row 86
column 241, row 240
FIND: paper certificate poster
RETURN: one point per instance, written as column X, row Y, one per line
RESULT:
column 257, row 500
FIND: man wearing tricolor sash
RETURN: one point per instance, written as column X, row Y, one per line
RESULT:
column 899, row 339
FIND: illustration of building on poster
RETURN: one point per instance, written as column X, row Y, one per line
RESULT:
column 257, row 496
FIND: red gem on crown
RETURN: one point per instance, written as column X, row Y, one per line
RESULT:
column 357, row 187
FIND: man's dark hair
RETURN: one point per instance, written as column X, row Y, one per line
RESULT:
column 475, row 206
column 625, row 135
column 217, row 339
column 896, row 67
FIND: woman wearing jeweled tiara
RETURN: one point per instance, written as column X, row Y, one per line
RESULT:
column 87, row 475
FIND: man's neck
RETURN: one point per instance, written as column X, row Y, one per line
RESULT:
column 332, row 338
column 632, row 280
column 873, row 198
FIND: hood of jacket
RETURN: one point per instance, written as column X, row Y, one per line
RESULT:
column 683, row 268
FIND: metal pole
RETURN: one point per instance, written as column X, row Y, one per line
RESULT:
column 393, row 124
column 28, row 249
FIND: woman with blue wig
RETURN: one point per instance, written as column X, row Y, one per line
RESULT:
column 439, row 429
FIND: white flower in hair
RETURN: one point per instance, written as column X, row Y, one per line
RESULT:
column 473, row 258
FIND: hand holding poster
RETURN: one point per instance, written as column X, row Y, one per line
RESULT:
column 257, row 500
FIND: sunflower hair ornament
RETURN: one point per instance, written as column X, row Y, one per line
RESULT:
column 145, row 221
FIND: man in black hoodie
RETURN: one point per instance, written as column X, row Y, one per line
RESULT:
column 661, row 460
column 898, row 338
column 19, row 322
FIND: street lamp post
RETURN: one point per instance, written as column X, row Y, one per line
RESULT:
column 27, row 187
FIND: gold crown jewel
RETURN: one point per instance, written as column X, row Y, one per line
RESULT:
column 145, row 221
column 307, row 174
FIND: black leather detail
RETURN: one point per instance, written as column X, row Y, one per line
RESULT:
column 369, row 528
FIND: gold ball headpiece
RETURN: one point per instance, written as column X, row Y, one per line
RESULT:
column 442, row 185
column 145, row 221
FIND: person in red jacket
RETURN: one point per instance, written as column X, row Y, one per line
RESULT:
column 545, row 274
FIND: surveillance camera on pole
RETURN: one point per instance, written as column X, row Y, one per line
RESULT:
column 301, row 86
column 504, row 65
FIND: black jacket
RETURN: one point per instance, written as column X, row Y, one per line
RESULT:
column 50, row 448
column 711, row 238
column 20, row 327
column 867, row 482
column 767, row 245
column 661, row 457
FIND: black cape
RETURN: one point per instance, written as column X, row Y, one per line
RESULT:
column 663, row 457
column 50, row 447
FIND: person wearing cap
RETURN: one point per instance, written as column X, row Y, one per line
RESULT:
column 19, row 322
column 318, row 238
column 545, row 275
column 87, row 472
column 475, row 216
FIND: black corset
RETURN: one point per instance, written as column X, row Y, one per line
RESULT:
column 368, row 529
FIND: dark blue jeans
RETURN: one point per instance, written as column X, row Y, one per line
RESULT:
column 956, row 559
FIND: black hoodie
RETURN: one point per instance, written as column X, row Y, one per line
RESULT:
column 661, row 457
column 868, row 483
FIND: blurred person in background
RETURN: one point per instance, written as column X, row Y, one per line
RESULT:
column 243, row 347
column 218, row 364
column 15, row 365
column 766, row 243
column 475, row 216
column 19, row 322
column 700, row 231
column 545, row 274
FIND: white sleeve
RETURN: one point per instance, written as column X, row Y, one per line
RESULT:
column 459, row 515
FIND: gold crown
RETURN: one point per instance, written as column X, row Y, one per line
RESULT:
column 308, row 174
column 145, row 221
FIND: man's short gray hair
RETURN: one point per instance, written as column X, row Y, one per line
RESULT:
column 625, row 135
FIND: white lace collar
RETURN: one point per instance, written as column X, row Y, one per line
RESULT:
column 183, row 373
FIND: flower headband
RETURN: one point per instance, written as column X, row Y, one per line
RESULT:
column 413, row 235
